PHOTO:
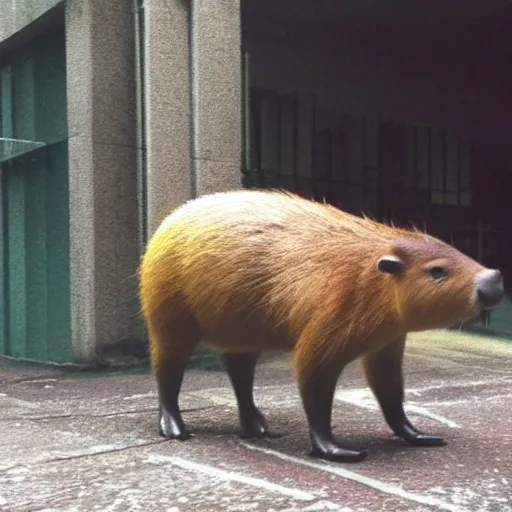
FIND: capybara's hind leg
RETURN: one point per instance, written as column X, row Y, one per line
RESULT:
column 169, row 376
column 317, row 385
column 241, row 368
column 383, row 370
column 172, row 344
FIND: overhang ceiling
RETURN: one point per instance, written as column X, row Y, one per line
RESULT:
column 480, row 22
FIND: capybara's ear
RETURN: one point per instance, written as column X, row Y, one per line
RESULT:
column 390, row 264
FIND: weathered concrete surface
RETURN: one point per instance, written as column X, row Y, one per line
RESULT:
column 216, row 95
column 168, row 117
column 103, row 195
column 89, row 441
column 17, row 14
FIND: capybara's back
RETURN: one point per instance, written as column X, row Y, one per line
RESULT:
column 248, row 271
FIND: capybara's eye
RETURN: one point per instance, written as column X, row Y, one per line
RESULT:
column 437, row 272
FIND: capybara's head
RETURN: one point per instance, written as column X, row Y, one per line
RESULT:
column 435, row 285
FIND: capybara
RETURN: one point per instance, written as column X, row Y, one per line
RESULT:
column 251, row 270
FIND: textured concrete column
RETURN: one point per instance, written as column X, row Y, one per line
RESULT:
column 104, row 246
column 167, row 106
column 216, row 95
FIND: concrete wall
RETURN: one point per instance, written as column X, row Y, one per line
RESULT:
column 104, row 223
column 192, row 83
column 17, row 14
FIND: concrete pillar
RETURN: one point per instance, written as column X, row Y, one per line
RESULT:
column 192, row 85
column 104, row 244
column 167, row 107
column 216, row 95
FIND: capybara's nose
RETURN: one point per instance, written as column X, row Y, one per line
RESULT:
column 490, row 288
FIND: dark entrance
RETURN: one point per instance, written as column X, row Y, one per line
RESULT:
column 397, row 112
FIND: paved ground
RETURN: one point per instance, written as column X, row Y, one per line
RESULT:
column 88, row 442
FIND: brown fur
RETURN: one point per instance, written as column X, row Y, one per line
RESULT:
column 278, row 271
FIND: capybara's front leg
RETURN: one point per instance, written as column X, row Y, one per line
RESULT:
column 383, row 370
column 241, row 368
column 317, row 385
column 169, row 376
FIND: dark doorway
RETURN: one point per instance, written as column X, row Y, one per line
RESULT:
column 394, row 110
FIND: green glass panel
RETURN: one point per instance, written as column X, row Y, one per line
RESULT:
column 36, row 257
column 3, row 274
column 6, row 131
column 23, row 98
column 34, row 218
column 50, row 118
column 57, row 215
column 15, row 265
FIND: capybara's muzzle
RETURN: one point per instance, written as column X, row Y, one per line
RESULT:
column 489, row 288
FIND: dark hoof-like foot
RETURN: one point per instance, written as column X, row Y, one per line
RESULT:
column 339, row 454
column 414, row 437
column 426, row 440
column 325, row 447
column 171, row 428
column 255, row 427
column 180, row 436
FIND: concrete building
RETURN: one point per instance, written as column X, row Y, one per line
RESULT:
column 113, row 112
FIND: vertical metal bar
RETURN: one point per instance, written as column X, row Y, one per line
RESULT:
column 313, row 131
column 363, row 159
column 328, row 176
column 295, row 141
column 279, row 141
column 415, row 151
column 257, row 153
column 480, row 241
column 246, row 112
column 474, row 199
column 380, row 204
column 428, row 202
column 459, row 173
column 138, row 10
column 444, row 163
column 415, row 137
column 429, row 163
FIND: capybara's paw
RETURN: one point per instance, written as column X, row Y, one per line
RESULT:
column 172, row 429
column 180, row 436
column 254, row 426
column 414, row 437
column 339, row 454
column 426, row 440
